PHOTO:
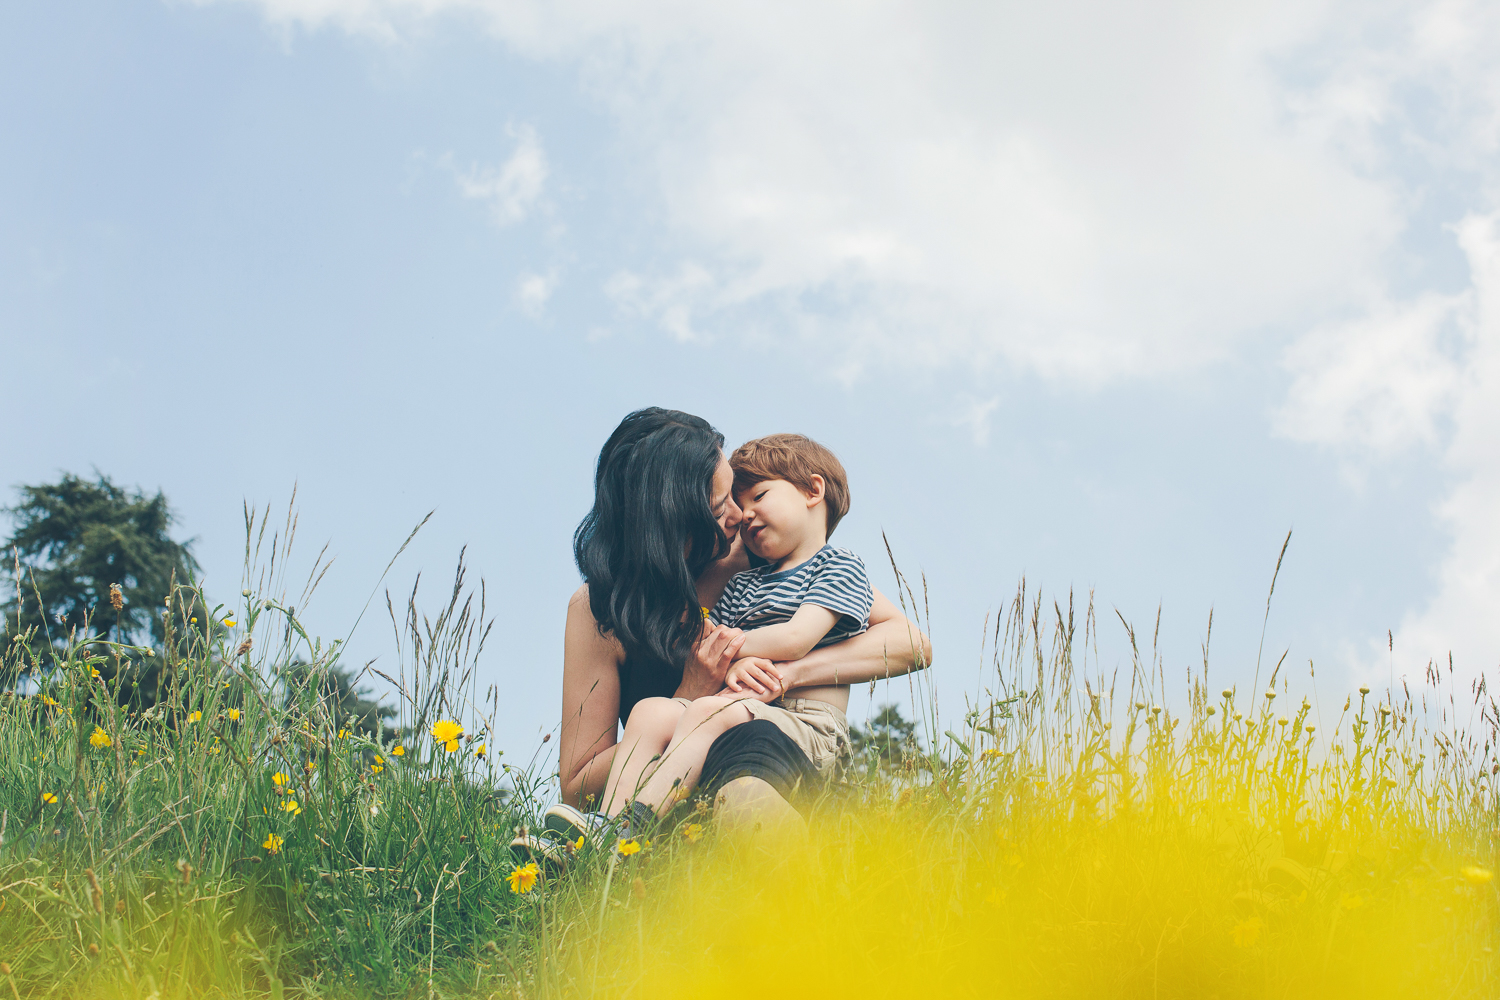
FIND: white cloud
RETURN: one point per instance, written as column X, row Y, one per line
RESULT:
column 512, row 189
column 1462, row 617
column 1086, row 191
column 534, row 290
column 975, row 415
column 1379, row 383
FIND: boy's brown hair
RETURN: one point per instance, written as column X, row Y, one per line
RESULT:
column 796, row 459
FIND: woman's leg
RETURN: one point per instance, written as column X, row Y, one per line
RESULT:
column 704, row 721
column 647, row 732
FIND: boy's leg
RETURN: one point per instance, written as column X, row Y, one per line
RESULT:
column 704, row 721
column 647, row 732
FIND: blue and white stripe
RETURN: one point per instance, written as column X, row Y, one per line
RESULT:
column 833, row 578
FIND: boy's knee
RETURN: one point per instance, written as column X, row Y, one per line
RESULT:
column 653, row 713
column 715, row 713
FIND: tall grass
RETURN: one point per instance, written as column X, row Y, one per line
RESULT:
column 1073, row 833
column 1080, row 837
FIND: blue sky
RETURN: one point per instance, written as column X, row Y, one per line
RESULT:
column 1108, row 301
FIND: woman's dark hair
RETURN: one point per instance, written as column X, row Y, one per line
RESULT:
column 652, row 532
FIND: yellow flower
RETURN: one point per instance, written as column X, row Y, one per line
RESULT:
column 376, row 769
column 447, row 733
column 49, row 701
column 234, row 715
column 705, row 613
column 93, row 671
column 279, row 779
column 343, row 733
column 273, row 843
column 996, row 897
column 577, row 845
column 229, row 622
column 629, row 847
column 1475, row 875
column 1353, row 902
column 291, row 806
column 524, row 878
column 693, row 832
column 49, row 797
column 195, row 717
column 398, row 751
column 479, row 750
column 100, row 738
column 1247, row 932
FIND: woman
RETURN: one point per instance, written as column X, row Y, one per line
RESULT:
column 659, row 543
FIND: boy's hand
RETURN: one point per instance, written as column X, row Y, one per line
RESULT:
column 755, row 675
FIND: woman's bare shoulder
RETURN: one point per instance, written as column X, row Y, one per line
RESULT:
column 583, row 630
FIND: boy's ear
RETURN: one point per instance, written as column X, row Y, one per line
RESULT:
column 816, row 494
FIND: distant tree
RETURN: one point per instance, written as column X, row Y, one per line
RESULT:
column 349, row 704
column 74, row 539
column 888, row 736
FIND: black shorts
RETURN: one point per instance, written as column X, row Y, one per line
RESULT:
column 757, row 749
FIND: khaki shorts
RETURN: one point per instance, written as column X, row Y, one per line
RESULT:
column 819, row 729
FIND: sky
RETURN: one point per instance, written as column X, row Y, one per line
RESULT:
column 1108, row 298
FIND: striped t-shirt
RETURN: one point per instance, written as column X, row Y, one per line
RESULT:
column 833, row 578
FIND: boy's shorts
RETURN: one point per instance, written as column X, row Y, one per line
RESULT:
column 819, row 729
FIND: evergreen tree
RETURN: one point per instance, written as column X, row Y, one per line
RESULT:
column 888, row 737
column 94, row 559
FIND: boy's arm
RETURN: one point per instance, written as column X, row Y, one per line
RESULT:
column 790, row 640
column 892, row 646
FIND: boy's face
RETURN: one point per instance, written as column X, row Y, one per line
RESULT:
column 779, row 518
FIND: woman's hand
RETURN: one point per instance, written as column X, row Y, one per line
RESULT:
column 708, row 664
column 756, row 675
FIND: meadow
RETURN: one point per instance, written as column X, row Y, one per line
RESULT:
column 1077, row 832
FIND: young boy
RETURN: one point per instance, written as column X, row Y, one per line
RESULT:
column 806, row 594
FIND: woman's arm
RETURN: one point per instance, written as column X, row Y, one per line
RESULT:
column 591, row 703
column 890, row 647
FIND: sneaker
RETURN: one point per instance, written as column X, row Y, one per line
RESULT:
column 577, row 828
column 545, row 851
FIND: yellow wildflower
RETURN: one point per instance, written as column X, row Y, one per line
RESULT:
column 229, row 622
column 93, row 671
column 693, row 832
column 1247, row 932
column 49, row 798
column 279, row 779
column 1352, row 902
column 234, row 715
column 479, row 750
column 398, row 751
column 195, row 717
column 273, row 843
column 1475, row 875
column 343, row 734
column 376, row 769
column 447, row 733
column 629, row 847
column 524, row 878
column 996, row 897
column 49, row 701
column 291, row 806
column 576, row 845
column 100, row 738
column 705, row 613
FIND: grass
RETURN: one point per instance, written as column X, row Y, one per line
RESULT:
column 1074, row 834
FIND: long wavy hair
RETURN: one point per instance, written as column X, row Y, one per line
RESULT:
column 652, row 531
